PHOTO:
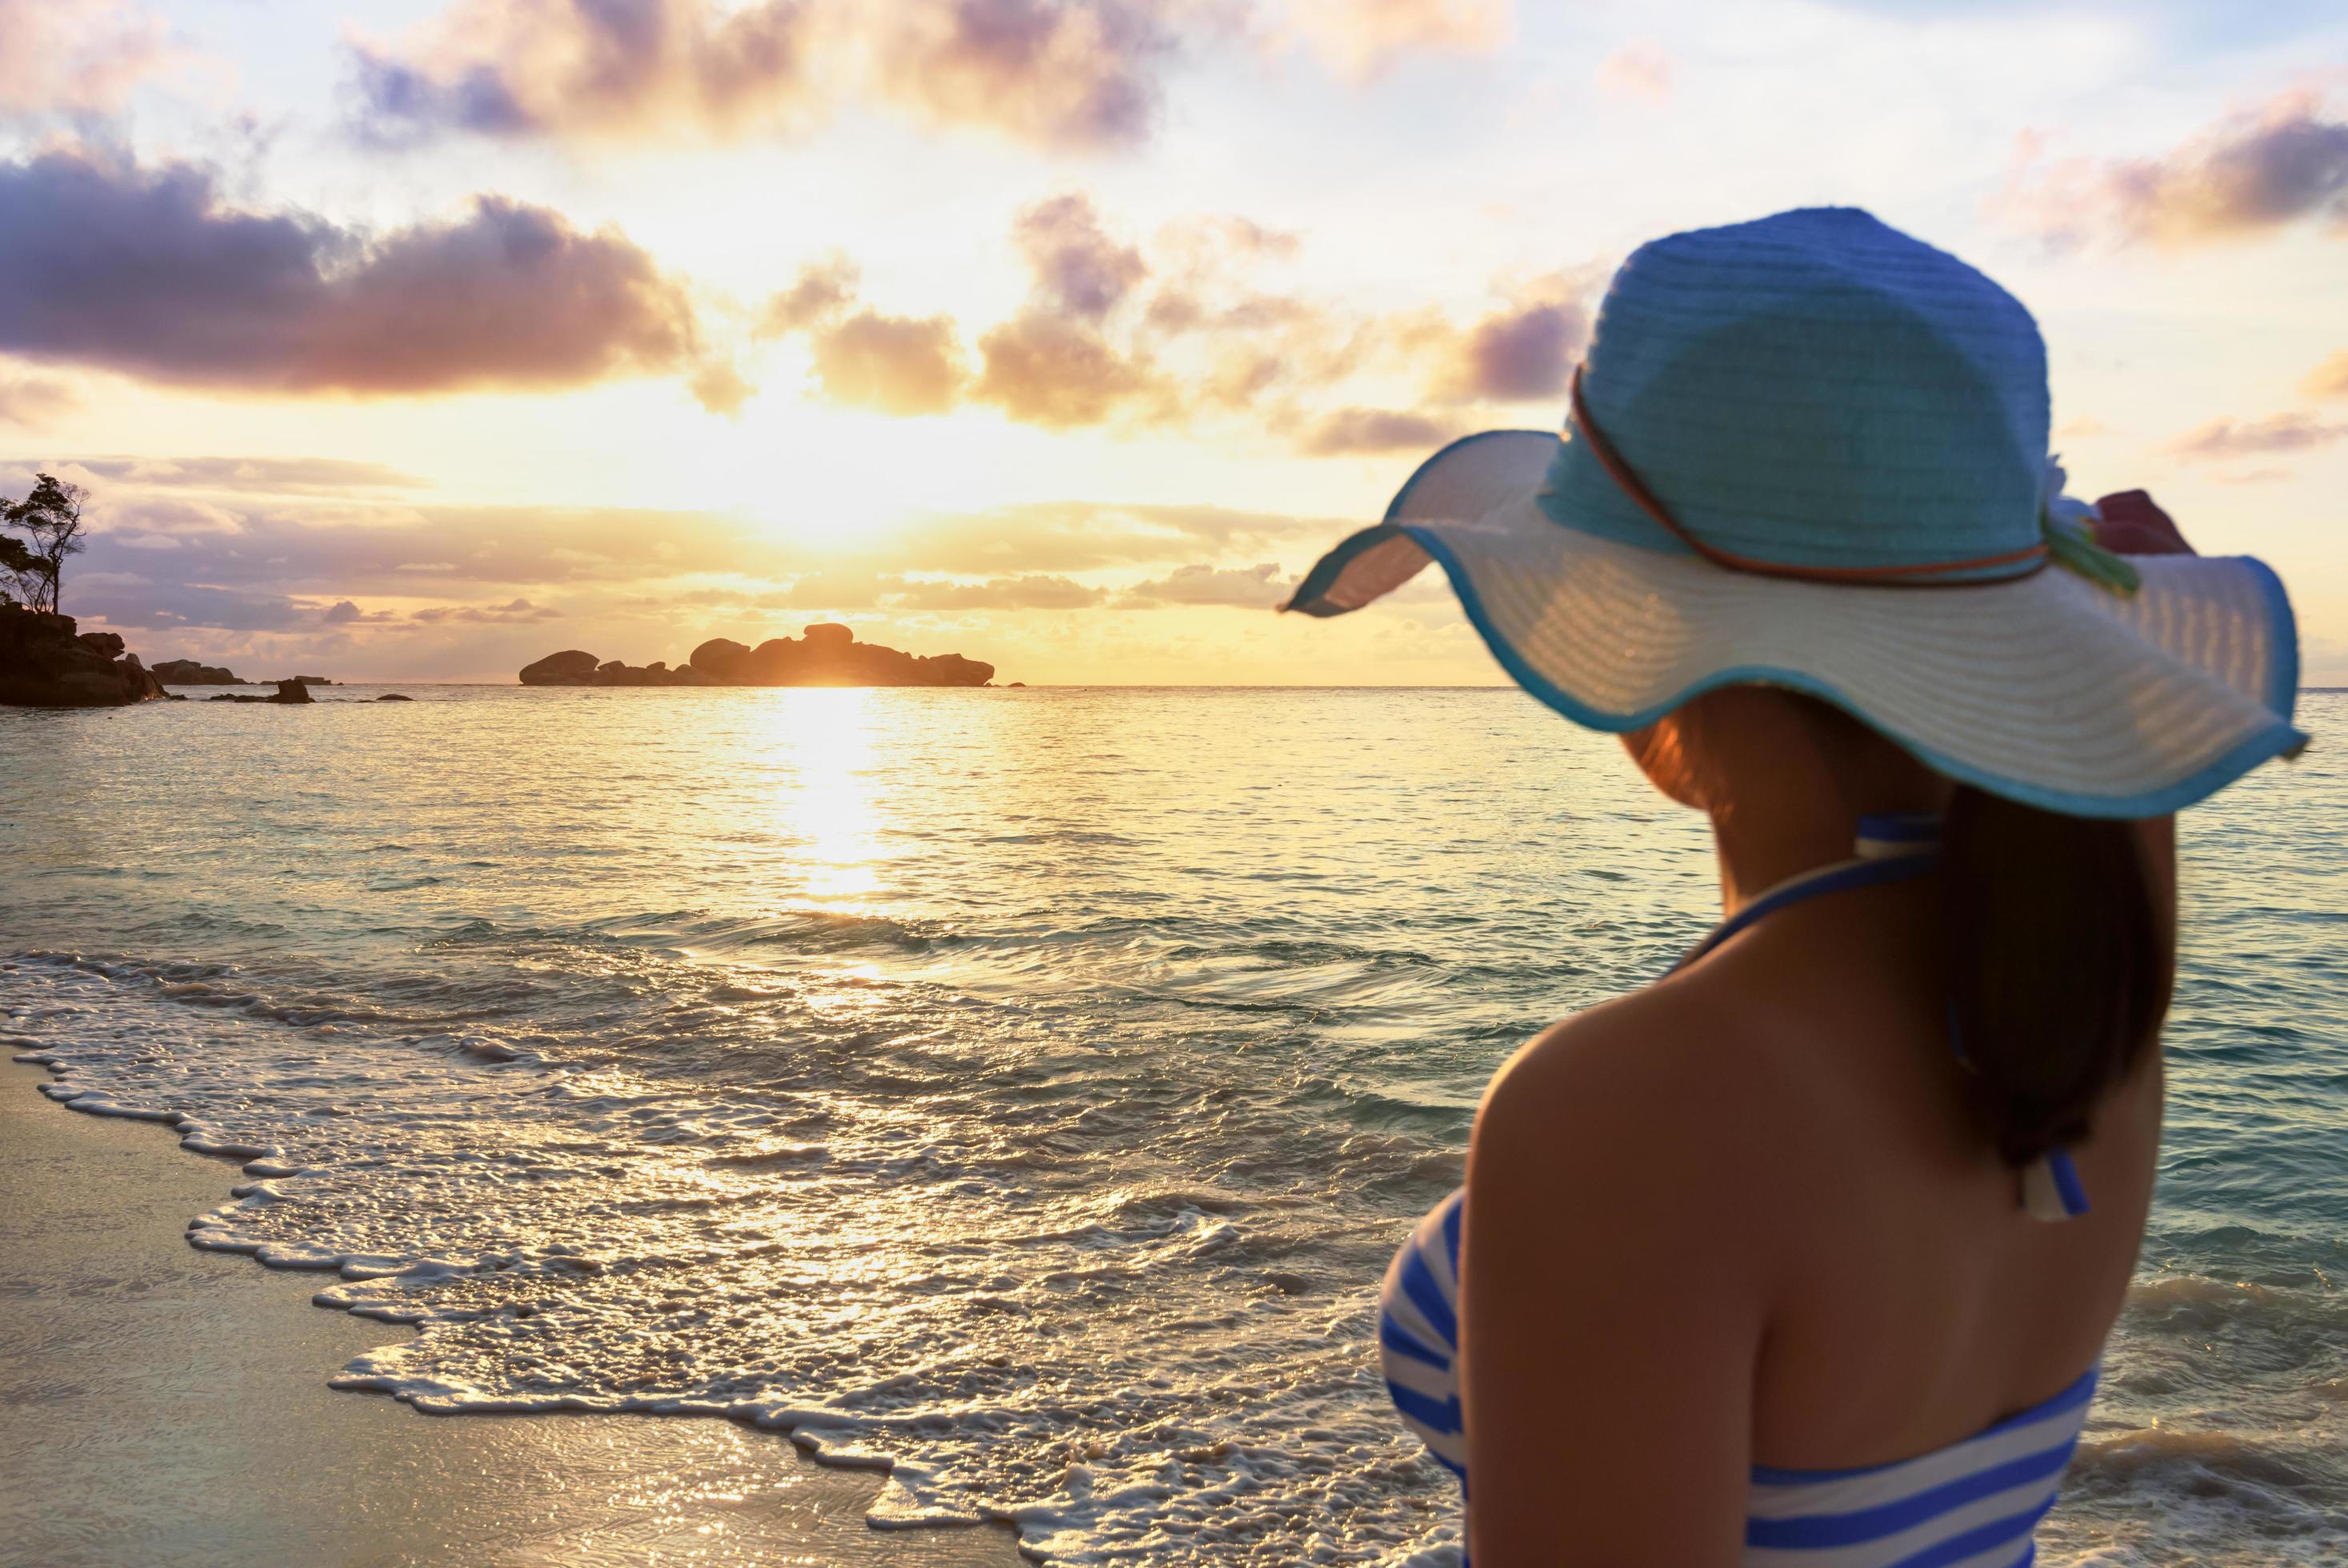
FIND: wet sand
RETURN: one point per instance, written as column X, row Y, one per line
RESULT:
column 166, row 1404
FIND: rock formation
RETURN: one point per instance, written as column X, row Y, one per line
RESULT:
column 288, row 691
column 568, row 667
column 44, row 663
column 187, row 672
column 826, row 654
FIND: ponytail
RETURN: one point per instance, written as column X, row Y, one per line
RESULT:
column 2060, row 964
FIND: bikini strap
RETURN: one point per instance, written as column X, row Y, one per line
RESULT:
column 2050, row 1188
column 1895, row 846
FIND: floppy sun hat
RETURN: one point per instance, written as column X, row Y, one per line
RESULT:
column 1809, row 451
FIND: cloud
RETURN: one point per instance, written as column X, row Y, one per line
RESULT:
column 149, row 272
column 1641, row 70
column 2329, row 379
column 375, row 583
column 1051, row 364
column 898, row 364
column 1044, row 370
column 1078, row 269
column 69, row 55
column 519, row 611
column 130, row 602
column 1520, row 354
column 2082, row 429
column 35, row 401
column 821, row 291
column 1363, row 38
column 1081, row 73
column 274, row 476
column 2253, row 173
column 2226, row 438
column 1084, row 76
column 1184, row 334
column 1060, row 73
column 593, row 68
column 1259, row 587
column 1351, row 431
column 1024, row 592
column 718, row 386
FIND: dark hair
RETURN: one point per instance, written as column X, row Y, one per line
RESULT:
column 2061, row 955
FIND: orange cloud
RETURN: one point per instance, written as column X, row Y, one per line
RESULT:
column 1044, row 369
column 2329, row 379
column 2251, row 173
column 1202, row 584
column 1183, row 333
column 1362, row 38
column 822, row 291
column 898, row 364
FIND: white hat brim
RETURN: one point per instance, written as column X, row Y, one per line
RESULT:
column 2047, row 689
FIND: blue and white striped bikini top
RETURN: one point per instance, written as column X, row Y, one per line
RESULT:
column 1973, row 1505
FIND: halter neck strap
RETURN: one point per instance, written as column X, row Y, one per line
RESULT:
column 1896, row 847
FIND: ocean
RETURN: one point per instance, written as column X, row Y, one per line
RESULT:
column 1027, row 1088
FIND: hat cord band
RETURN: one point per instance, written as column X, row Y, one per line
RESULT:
column 1636, row 488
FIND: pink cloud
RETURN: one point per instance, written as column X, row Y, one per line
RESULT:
column 147, row 271
column 2226, row 438
column 1367, row 430
column 1078, row 268
column 76, row 54
column 2252, row 172
column 525, row 67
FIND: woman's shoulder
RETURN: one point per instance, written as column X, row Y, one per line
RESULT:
column 1673, row 1098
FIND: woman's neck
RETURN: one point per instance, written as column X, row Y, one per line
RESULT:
column 1772, row 836
column 1752, row 863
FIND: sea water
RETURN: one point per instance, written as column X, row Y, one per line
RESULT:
column 1023, row 1090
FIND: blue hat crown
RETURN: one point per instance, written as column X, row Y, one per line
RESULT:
column 1814, row 390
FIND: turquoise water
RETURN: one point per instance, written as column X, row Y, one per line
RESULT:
column 1027, row 1088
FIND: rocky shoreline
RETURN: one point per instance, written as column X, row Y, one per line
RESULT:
column 47, row 662
column 826, row 654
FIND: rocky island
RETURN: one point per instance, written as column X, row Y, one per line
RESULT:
column 187, row 672
column 824, row 655
column 45, row 663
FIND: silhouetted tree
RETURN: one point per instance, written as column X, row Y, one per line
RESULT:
column 18, row 567
column 50, row 521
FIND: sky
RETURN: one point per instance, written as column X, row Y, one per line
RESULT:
column 417, row 339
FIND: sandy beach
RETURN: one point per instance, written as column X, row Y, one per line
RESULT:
column 169, row 1405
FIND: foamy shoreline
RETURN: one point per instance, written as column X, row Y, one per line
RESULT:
column 173, row 1406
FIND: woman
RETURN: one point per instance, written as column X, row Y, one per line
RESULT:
column 1806, row 1253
